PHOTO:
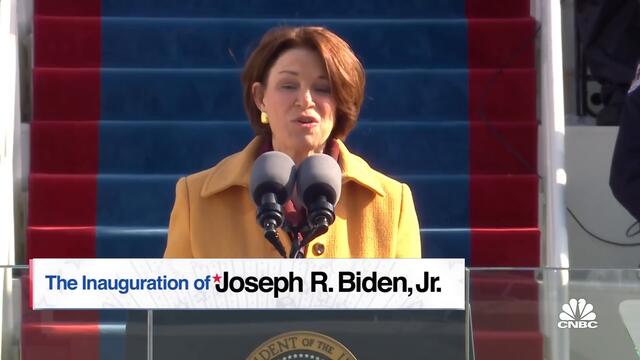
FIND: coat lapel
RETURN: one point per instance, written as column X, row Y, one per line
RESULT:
column 234, row 170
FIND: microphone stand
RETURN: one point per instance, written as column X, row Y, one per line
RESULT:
column 308, row 235
column 274, row 239
column 270, row 216
column 321, row 215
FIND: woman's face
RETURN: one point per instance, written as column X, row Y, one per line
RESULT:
column 298, row 101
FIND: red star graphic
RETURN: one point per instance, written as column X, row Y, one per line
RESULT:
column 216, row 278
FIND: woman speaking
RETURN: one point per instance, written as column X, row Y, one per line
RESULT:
column 303, row 89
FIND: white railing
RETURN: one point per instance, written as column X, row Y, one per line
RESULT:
column 551, row 95
column 9, row 151
column 555, row 248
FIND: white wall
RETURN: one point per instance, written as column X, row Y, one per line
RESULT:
column 588, row 159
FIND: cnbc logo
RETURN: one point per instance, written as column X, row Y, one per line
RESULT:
column 577, row 314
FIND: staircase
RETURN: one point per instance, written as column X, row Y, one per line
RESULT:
column 131, row 95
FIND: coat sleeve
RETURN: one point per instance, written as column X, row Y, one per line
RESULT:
column 409, row 245
column 624, row 179
column 179, row 239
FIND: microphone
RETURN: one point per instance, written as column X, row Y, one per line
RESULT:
column 271, row 184
column 318, row 187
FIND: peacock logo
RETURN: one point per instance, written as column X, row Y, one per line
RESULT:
column 577, row 314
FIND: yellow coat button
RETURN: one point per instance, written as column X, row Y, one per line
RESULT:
column 318, row 249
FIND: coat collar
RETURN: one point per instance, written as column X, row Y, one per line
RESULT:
column 235, row 170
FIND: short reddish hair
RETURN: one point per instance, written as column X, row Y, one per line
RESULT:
column 346, row 74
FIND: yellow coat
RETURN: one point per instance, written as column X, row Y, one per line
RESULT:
column 214, row 216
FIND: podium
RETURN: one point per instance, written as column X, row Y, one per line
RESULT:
column 235, row 334
column 511, row 313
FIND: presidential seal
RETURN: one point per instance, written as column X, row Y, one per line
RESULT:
column 301, row 345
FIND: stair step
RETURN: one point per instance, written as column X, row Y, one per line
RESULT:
column 506, row 345
column 47, row 336
column 139, row 242
column 227, row 43
column 503, row 301
column 506, row 247
column 187, row 147
column 286, row 8
column 142, row 201
column 95, row 242
column 488, row 285
column 216, row 94
column 506, row 315
column 60, row 341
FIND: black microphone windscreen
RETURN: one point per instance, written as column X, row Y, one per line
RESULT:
column 319, row 174
column 273, row 172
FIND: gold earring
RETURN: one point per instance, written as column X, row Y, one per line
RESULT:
column 264, row 118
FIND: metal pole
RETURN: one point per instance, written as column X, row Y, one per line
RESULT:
column 552, row 130
column 149, row 334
